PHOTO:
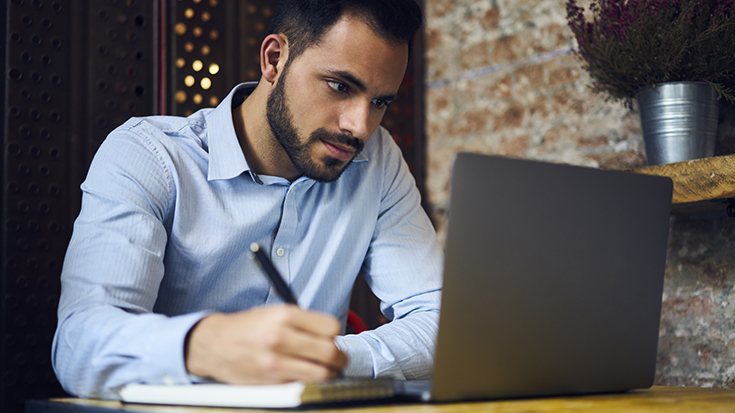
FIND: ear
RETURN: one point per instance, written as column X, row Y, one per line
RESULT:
column 273, row 56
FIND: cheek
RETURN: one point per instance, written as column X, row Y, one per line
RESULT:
column 374, row 121
column 315, row 114
column 376, row 118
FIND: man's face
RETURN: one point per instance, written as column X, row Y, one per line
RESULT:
column 300, row 149
column 328, row 101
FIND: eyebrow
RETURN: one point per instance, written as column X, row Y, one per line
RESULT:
column 359, row 84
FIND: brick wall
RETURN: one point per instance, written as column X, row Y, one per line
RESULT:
column 502, row 79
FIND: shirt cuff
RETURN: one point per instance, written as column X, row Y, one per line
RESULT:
column 360, row 363
column 172, row 355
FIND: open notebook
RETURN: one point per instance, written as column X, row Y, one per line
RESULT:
column 552, row 286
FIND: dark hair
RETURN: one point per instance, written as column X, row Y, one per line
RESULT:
column 304, row 22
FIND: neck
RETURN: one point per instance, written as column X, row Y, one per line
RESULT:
column 264, row 153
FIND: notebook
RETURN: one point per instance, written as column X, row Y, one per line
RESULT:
column 553, row 282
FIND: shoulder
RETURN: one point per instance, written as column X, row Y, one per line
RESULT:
column 165, row 130
column 381, row 143
column 380, row 167
column 149, row 145
column 166, row 138
column 382, row 152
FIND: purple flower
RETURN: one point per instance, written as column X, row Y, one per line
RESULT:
column 626, row 44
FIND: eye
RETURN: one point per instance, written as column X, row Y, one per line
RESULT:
column 380, row 103
column 337, row 86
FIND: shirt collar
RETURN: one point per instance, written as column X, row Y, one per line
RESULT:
column 361, row 157
column 226, row 159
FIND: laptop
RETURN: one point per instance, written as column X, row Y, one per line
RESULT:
column 553, row 283
column 553, row 280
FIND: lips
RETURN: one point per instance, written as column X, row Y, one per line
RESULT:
column 340, row 152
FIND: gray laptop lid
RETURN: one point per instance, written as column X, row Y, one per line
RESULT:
column 553, row 279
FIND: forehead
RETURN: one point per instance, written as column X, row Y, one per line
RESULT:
column 351, row 46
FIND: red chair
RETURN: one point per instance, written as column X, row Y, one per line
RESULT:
column 354, row 321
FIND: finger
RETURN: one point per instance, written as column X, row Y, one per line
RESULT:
column 282, row 369
column 275, row 369
column 340, row 362
column 306, row 370
column 304, row 345
column 311, row 321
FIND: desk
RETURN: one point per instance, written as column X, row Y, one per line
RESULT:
column 656, row 399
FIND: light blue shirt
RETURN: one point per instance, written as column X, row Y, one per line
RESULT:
column 169, row 209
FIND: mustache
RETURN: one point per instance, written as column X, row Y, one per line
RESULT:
column 341, row 138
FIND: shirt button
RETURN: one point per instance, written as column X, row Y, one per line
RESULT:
column 280, row 252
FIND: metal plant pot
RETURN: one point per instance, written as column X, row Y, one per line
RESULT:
column 679, row 121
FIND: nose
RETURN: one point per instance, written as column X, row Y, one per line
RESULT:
column 355, row 120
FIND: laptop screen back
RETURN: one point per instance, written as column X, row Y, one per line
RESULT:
column 553, row 279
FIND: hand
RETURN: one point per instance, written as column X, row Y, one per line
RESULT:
column 273, row 344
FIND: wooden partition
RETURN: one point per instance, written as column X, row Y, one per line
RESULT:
column 76, row 69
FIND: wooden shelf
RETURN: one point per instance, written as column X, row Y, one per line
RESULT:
column 700, row 185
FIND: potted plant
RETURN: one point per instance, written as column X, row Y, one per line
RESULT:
column 675, row 58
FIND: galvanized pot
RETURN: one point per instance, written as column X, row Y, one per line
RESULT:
column 679, row 121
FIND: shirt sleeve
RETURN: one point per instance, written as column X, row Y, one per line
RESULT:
column 403, row 268
column 107, row 335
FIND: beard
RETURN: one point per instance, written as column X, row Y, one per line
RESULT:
column 281, row 124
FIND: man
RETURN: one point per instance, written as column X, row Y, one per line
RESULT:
column 157, row 285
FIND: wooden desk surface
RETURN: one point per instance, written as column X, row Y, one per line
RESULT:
column 656, row 399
